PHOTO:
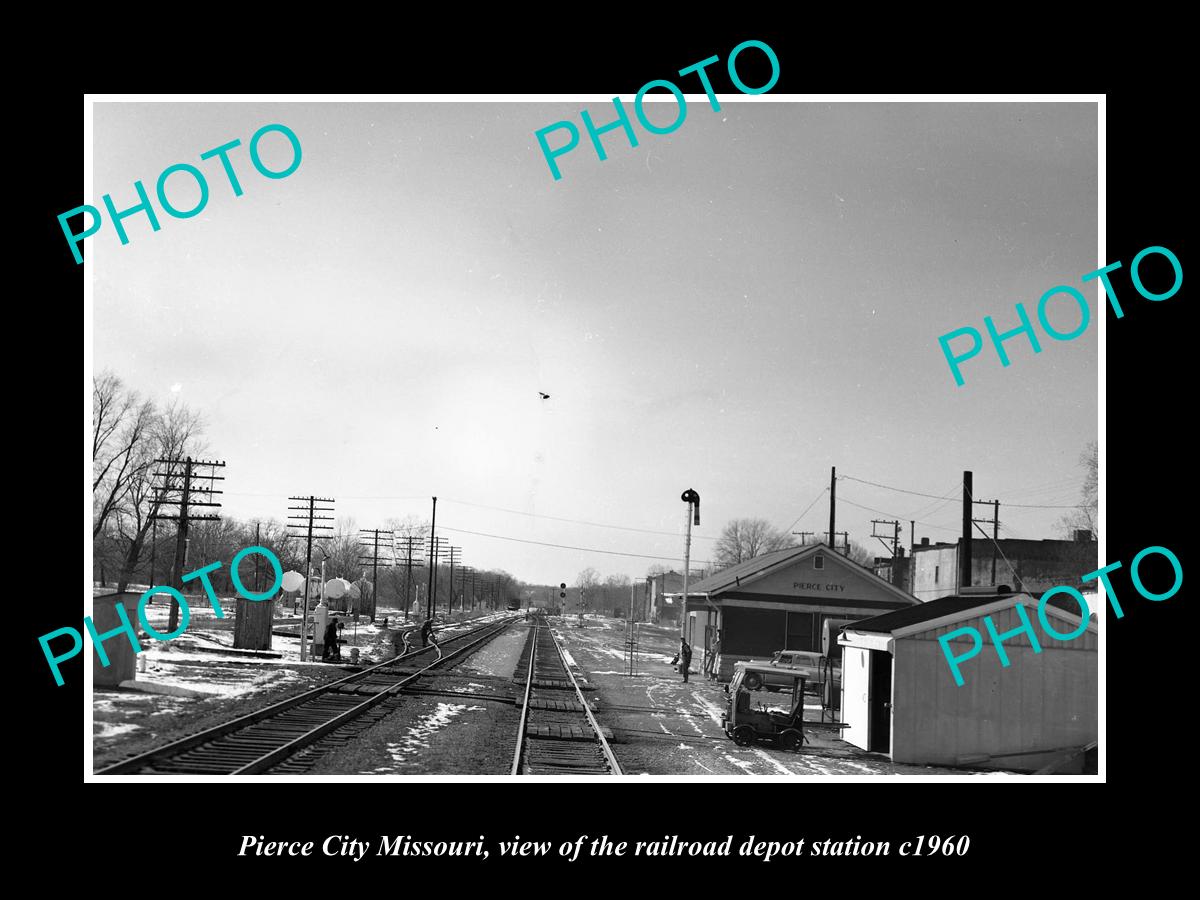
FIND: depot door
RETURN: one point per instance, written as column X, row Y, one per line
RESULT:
column 880, row 730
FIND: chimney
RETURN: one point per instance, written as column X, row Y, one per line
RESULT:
column 1082, row 535
column 924, row 542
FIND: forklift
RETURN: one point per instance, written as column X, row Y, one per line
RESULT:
column 746, row 722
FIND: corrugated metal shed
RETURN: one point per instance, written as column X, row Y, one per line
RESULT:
column 1017, row 716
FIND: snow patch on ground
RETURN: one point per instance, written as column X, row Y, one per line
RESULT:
column 775, row 764
column 742, row 764
column 711, row 709
column 112, row 729
column 417, row 737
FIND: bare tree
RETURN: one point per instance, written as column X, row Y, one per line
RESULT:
column 744, row 539
column 588, row 581
column 122, row 430
column 616, row 592
column 404, row 583
column 1086, row 516
column 864, row 556
column 344, row 551
column 588, row 578
column 175, row 433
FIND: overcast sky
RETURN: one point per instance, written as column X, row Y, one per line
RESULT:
column 734, row 307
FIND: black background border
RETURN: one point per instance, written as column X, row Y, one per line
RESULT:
column 1146, row 399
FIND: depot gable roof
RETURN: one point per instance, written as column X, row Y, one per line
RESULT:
column 752, row 570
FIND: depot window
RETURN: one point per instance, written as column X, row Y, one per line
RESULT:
column 818, row 561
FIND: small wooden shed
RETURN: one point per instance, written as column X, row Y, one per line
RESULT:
column 899, row 695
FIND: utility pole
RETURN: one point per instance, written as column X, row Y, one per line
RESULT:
column 371, row 540
column 186, row 503
column 306, row 521
column 995, row 522
column 912, row 536
column 692, row 499
column 804, row 536
column 257, row 543
column 832, row 506
column 409, row 565
column 964, row 552
column 436, row 546
column 154, row 548
column 885, row 539
column 465, row 573
column 432, row 565
column 995, row 538
column 454, row 551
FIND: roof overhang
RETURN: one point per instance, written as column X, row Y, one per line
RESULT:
column 876, row 640
column 865, row 640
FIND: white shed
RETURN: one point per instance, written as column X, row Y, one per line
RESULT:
column 899, row 694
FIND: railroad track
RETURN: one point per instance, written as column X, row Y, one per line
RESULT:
column 558, row 735
column 288, row 736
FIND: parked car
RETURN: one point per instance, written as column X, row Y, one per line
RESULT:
column 809, row 663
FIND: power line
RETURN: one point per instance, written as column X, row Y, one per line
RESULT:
column 994, row 544
column 1044, row 506
column 928, row 509
column 517, row 512
column 886, row 513
column 501, row 537
column 935, row 497
column 824, row 491
column 1049, row 487
column 890, row 488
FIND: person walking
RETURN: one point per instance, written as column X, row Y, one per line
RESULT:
column 330, row 641
column 685, row 658
column 427, row 633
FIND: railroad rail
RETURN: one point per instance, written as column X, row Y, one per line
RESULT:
column 557, row 735
column 283, row 736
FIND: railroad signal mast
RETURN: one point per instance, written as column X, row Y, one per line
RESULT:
column 305, row 520
column 692, row 499
column 183, row 481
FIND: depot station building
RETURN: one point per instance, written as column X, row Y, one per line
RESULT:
column 793, row 598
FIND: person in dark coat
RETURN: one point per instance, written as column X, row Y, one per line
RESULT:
column 427, row 633
column 713, row 665
column 331, row 641
column 685, row 658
